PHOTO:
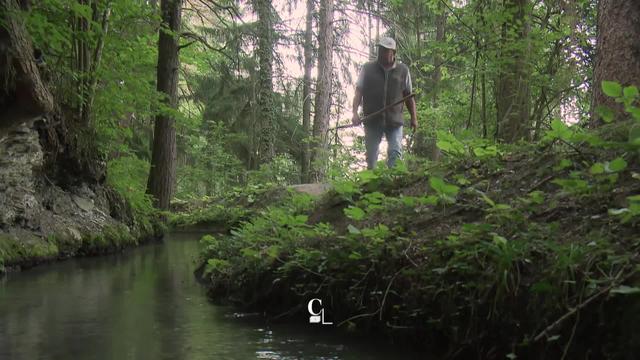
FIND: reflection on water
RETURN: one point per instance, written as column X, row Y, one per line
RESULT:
column 144, row 304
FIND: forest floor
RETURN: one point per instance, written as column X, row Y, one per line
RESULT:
column 530, row 251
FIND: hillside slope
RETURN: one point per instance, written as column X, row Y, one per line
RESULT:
column 531, row 252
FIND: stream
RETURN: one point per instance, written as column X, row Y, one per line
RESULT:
column 146, row 304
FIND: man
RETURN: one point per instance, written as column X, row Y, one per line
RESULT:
column 382, row 83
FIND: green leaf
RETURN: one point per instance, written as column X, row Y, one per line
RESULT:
column 487, row 199
column 537, row 197
column 553, row 338
column 626, row 290
column 428, row 200
column 409, row 201
column 616, row 212
column 301, row 219
column 597, row 168
column 273, row 251
column 366, row 176
column 572, row 185
column 605, row 113
column 634, row 111
column 564, row 163
column 345, row 187
column 499, row 240
column 81, row 10
column 633, row 198
column 448, row 143
column 631, row 92
column 634, row 136
column 375, row 197
column 353, row 230
column 354, row 212
column 249, row 252
column 612, row 88
column 442, row 187
column 460, row 179
column 618, row 164
column 559, row 130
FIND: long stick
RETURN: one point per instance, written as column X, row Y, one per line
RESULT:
column 375, row 113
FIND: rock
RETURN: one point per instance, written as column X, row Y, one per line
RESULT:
column 48, row 210
column 74, row 234
column 83, row 203
column 317, row 189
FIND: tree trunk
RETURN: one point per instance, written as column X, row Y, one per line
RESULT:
column 23, row 94
column 95, row 66
column 483, row 111
column 473, row 85
column 441, row 22
column 306, row 92
column 372, row 46
column 618, row 50
column 83, row 60
column 323, row 89
column 512, row 96
column 266, row 122
column 162, row 176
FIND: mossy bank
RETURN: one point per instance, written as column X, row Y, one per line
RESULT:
column 58, row 208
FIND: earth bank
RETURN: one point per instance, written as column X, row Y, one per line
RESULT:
column 53, row 206
column 526, row 253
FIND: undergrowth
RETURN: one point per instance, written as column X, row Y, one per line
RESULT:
column 226, row 212
column 527, row 250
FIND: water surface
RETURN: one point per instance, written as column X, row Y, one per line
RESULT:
column 146, row 304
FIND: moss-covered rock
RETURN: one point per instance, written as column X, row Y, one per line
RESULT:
column 29, row 250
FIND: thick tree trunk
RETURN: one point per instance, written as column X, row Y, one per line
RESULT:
column 323, row 89
column 23, row 94
column 267, row 121
column 618, row 49
column 512, row 97
column 306, row 93
column 162, row 176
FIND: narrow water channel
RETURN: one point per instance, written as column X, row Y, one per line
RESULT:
column 146, row 304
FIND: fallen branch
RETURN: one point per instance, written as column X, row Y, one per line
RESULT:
column 581, row 306
column 386, row 292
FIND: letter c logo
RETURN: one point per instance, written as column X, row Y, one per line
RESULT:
column 310, row 307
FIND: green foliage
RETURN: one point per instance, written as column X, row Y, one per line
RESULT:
column 447, row 192
column 128, row 176
column 213, row 169
column 612, row 89
column 531, row 232
column 355, row 213
column 630, row 212
column 449, row 144
column 27, row 250
column 282, row 170
column 628, row 96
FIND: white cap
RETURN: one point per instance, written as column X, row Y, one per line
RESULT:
column 387, row 42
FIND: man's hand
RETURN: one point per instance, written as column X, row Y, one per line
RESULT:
column 414, row 124
column 355, row 120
